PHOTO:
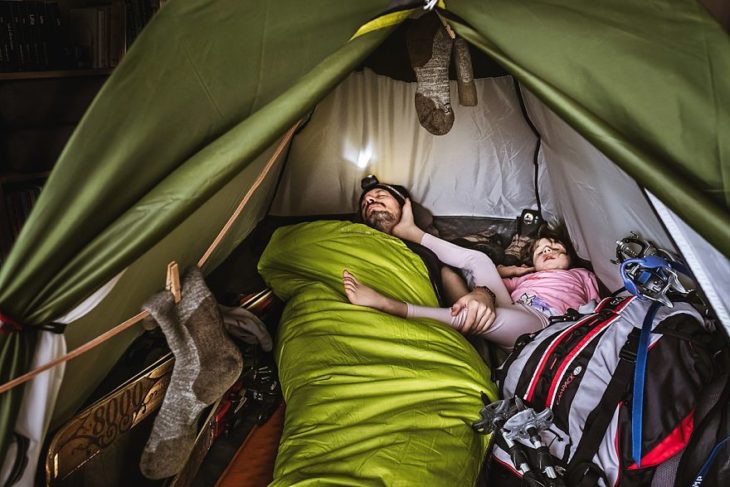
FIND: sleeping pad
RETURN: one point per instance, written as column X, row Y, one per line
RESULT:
column 371, row 399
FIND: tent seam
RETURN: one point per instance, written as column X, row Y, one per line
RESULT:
column 202, row 82
column 261, row 57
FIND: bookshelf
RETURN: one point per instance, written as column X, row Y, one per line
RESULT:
column 54, row 57
column 65, row 73
column 65, row 35
column 38, row 114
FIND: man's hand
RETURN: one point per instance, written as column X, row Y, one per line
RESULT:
column 406, row 228
column 514, row 270
column 480, row 311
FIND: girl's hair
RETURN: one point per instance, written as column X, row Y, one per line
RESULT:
column 558, row 233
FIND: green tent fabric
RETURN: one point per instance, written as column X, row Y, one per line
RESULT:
column 203, row 91
column 381, row 393
column 212, row 83
column 645, row 82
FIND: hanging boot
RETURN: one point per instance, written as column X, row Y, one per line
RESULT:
column 429, row 49
column 207, row 363
column 528, row 224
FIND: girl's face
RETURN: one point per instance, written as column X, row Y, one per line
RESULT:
column 550, row 255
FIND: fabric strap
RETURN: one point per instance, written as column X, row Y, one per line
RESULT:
column 666, row 472
column 637, row 404
column 709, row 422
column 581, row 470
column 706, row 467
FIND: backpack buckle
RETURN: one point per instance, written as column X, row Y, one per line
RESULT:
column 629, row 355
column 631, row 347
column 570, row 315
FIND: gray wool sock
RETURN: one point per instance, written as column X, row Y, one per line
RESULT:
column 429, row 49
column 207, row 363
column 464, row 74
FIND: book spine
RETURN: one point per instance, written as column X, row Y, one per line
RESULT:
column 44, row 36
column 136, row 21
column 98, row 39
column 10, row 36
column 17, row 36
column 117, row 33
column 4, row 52
column 61, row 56
column 25, row 36
column 34, row 39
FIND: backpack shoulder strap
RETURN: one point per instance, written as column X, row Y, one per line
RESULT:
column 581, row 470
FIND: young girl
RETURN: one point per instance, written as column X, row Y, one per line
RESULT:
column 524, row 296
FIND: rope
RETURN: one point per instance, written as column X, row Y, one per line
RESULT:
column 144, row 314
column 237, row 212
column 75, row 353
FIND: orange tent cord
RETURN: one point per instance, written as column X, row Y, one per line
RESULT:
column 76, row 352
column 144, row 314
column 237, row 212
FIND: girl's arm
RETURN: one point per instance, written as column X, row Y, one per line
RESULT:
column 514, row 270
column 478, row 268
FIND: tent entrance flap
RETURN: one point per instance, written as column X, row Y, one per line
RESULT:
column 78, row 238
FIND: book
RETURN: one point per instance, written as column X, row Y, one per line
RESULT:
column 117, row 33
column 31, row 37
column 17, row 35
column 6, row 63
column 60, row 51
column 84, row 26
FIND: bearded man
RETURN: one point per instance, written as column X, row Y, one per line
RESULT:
column 381, row 207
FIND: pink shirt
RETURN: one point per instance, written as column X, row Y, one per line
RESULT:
column 554, row 291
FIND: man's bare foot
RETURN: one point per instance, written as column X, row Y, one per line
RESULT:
column 363, row 295
column 360, row 294
column 406, row 227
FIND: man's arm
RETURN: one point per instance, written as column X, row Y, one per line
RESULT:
column 479, row 303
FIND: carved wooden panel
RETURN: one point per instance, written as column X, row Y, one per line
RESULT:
column 95, row 428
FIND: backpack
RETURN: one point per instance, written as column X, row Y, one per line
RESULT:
column 571, row 384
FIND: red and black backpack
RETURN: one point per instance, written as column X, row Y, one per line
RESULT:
column 580, row 374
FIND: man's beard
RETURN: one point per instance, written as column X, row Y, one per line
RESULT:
column 381, row 220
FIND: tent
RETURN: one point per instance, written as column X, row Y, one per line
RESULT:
column 630, row 100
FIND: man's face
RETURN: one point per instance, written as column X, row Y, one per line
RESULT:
column 380, row 210
column 550, row 254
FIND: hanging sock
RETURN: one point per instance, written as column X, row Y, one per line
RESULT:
column 464, row 74
column 429, row 49
column 207, row 363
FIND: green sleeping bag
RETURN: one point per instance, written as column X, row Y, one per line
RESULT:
column 371, row 399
